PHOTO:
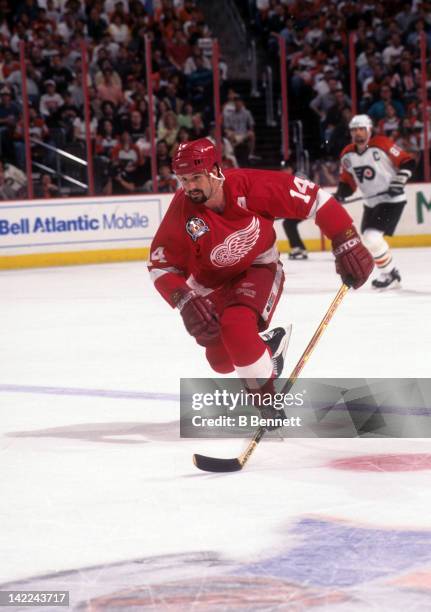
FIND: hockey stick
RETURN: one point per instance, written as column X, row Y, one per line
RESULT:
column 214, row 464
column 376, row 195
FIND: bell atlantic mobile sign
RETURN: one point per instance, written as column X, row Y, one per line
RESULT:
column 77, row 224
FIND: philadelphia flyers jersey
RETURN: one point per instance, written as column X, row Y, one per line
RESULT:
column 205, row 248
column 374, row 169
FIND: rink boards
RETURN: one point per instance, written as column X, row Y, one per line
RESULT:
column 67, row 231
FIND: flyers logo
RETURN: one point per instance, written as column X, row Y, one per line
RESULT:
column 364, row 173
column 236, row 245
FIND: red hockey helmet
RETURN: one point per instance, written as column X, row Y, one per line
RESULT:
column 195, row 156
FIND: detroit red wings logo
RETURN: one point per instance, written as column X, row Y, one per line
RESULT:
column 236, row 245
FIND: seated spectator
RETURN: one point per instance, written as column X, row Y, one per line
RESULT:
column 239, row 127
column 126, row 178
column 96, row 24
column 228, row 159
column 198, row 129
column 185, row 117
column 79, row 129
column 167, row 182
column 135, row 125
column 126, row 150
column 377, row 110
column 168, row 128
column 196, row 60
column 33, row 78
column 108, row 90
column 13, row 182
column 199, row 83
column 229, row 106
column 50, row 101
column 390, row 122
column 392, row 53
column 105, row 139
column 58, row 73
column 403, row 82
column 38, row 131
column 178, row 49
column 119, row 30
column 46, row 188
column 163, row 157
column 9, row 116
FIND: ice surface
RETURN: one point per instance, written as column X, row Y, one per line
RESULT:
column 93, row 473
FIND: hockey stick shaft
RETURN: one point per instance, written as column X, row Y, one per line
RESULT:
column 245, row 456
column 376, row 195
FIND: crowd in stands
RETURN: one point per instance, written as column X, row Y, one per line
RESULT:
column 316, row 32
column 114, row 32
column 387, row 46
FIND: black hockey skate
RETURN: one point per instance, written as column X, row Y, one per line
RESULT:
column 298, row 254
column 278, row 340
column 387, row 280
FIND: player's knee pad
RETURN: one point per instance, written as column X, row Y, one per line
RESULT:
column 374, row 241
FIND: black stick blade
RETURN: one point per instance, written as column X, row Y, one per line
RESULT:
column 213, row 464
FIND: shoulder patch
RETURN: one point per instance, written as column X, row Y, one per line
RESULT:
column 196, row 227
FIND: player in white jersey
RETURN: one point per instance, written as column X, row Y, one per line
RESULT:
column 380, row 169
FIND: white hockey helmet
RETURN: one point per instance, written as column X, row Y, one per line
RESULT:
column 361, row 121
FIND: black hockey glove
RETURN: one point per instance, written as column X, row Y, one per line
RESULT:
column 396, row 186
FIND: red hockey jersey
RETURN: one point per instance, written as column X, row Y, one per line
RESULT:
column 202, row 248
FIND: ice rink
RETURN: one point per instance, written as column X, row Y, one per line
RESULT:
column 99, row 495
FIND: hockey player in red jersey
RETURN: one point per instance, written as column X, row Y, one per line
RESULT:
column 214, row 256
column 380, row 169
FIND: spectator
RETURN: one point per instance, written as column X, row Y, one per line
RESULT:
column 126, row 150
column 96, row 24
column 108, row 90
column 323, row 102
column 196, row 60
column 163, row 157
column 392, row 53
column 185, row 117
column 58, row 73
column 119, row 30
column 167, row 182
column 239, row 127
column 126, row 179
column 377, row 110
column 47, row 189
column 13, row 182
column 168, row 128
column 135, row 125
column 51, row 101
column 105, row 139
column 390, row 122
column 198, row 129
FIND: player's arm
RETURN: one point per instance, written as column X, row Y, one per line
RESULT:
column 404, row 164
column 292, row 197
column 346, row 184
column 167, row 267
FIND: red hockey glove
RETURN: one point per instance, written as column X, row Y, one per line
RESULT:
column 199, row 315
column 353, row 262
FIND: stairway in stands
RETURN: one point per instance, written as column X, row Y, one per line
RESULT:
column 268, row 139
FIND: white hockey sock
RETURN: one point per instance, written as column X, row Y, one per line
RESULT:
column 261, row 369
column 379, row 249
